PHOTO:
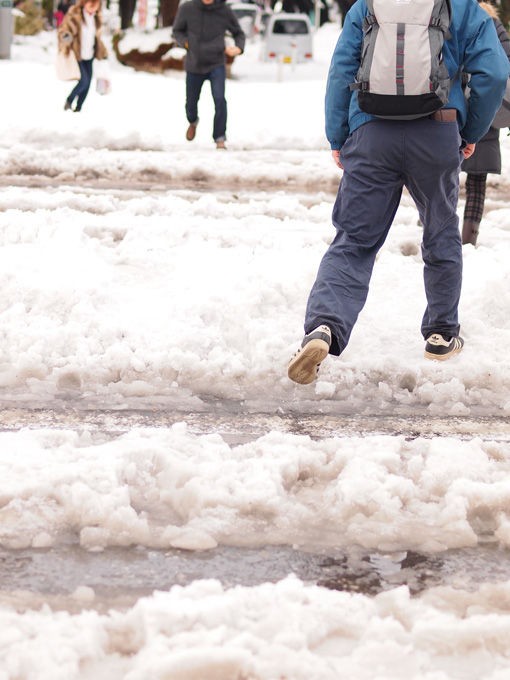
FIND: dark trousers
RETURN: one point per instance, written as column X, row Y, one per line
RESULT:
column 379, row 159
column 194, row 82
column 81, row 89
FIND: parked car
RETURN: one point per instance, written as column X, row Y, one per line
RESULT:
column 288, row 38
column 264, row 20
column 249, row 17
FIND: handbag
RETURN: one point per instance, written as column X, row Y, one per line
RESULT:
column 103, row 79
column 67, row 66
column 502, row 117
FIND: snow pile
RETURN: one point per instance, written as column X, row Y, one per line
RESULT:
column 286, row 630
column 138, row 295
column 168, row 488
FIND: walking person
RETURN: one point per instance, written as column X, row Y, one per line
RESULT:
column 81, row 32
column 486, row 158
column 200, row 27
column 379, row 157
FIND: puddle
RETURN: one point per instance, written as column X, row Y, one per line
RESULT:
column 123, row 575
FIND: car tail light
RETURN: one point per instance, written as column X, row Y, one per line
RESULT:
column 308, row 55
column 272, row 55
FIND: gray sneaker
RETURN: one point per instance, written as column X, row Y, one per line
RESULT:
column 439, row 348
column 304, row 365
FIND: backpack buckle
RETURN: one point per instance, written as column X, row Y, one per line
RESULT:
column 361, row 85
column 368, row 22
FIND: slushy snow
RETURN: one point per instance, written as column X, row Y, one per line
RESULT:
column 137, row 269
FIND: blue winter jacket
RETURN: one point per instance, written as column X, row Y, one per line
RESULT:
column 473, row 47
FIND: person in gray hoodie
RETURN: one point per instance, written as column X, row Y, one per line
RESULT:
column 200, row 27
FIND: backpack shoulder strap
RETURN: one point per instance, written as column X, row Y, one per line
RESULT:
column 441, row 16
column 370, row 18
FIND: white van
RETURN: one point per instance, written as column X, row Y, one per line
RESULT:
column 249, row 17
column 288, row 38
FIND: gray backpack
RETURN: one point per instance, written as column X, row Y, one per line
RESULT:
column 402, row 74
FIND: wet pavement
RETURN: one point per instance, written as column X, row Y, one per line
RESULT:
column 238, row 425
column 122, row 575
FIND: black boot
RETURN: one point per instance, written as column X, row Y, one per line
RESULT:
column 470, row 232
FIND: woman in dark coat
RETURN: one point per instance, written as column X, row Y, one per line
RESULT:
column 486, row 158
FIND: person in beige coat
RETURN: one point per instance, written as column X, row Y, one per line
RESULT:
column 81, row 32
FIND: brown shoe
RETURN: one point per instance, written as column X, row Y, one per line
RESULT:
column 220, row 144
column 191, row 132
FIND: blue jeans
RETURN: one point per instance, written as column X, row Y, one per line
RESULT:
column 81, row 89
column 379, row 159
column 194, row 82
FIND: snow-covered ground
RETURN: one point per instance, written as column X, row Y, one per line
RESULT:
column 139, row 269
column 124, row 295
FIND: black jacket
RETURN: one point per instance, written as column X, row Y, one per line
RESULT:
column 201, row 30
column 487, row 155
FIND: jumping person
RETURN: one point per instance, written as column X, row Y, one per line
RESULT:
column 379, row 157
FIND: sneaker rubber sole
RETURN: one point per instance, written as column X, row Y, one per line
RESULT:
column 305, row 363
column 441, row 352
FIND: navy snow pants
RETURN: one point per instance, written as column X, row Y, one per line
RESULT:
column 379, row 159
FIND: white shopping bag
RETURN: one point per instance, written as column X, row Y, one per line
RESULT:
column 67, row 67
column 103, row 86
column 103, row 80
